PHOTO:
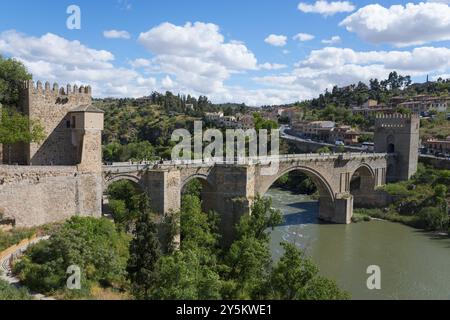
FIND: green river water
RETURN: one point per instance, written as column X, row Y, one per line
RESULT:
column 414, row 264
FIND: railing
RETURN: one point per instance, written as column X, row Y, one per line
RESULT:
column 130, row 166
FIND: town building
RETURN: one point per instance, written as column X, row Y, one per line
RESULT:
column 437, row 146
column 371, row 107
column 326, row 131
column 424, row 104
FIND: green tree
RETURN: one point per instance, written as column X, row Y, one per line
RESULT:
column 433, row 218
column 323, row 150
column 249, row 257
column 9, row 292
column 144, row 253
column 92, row 244
column 12, row 74
column 295, row 277
column 17, row 128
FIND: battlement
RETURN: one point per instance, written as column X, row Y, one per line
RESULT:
column 55, row 90
column 395, row 120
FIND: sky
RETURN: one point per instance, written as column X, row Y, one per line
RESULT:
column 258, row 52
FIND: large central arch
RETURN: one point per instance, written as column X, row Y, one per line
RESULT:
column 326, row 194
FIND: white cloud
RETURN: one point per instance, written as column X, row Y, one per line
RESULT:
column 167, row 83
column 53, row 58
column 140, row 63
column 332, row 40
column 272, row 66
column 276, row 40
column 412, row 24
column 196, row 55
column 324, row 68
column 303, row 37
column 326, row 8
column 116, row 34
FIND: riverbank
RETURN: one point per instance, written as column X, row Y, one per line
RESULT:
column 364, row 215
column 413, row 263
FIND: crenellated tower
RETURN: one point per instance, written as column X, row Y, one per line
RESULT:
column 398, row 134
column 67, row 116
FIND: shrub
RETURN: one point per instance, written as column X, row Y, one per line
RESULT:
column 433, row 218
column 92, row 244
column 8, row 292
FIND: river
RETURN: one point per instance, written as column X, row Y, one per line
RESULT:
column 414, row 264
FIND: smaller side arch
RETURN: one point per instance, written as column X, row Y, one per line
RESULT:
column 363, row 184
column 136, row 180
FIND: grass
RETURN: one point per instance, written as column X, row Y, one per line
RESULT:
column 15, row 235
column 389, row 215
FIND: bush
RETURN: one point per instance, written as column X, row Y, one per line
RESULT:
column 8, row 292
column 92, row 244
column 433, row 218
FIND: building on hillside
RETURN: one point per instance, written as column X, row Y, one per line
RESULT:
column 425, row 104
column 213, row 116
column 371, row 107
column 351, row 137
column 326, row 131
column 436, row 146
column 246, row 121
column 143, row 100
column 311, row 128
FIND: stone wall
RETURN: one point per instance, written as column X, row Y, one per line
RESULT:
column 36, row 195
column 438, row 163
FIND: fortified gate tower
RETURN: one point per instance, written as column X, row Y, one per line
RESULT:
column 398, row 134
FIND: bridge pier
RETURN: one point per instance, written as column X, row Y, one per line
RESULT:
column 338, row 211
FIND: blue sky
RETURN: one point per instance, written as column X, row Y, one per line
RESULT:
column 239, row 51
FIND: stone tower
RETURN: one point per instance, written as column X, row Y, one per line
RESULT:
column 68, row 118
column 398, row 134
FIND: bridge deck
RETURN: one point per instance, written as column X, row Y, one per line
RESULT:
column 132, row 167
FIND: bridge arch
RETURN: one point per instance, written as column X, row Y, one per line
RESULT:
column 362, row 184
column 319, row 180
column 136, row 180
column 207, row 193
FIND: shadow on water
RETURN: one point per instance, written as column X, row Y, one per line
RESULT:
column 305, row 213
column 443, row 237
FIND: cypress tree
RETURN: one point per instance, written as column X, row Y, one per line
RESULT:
column 145, row 252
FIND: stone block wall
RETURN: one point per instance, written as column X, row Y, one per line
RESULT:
column 32, row 195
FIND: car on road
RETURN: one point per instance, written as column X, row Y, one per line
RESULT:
column 339, row 143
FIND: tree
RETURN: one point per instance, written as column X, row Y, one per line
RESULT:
column 9, row 292
column 12, row 74
column 262, row 217
column 434, row 218
column 92, row 244
column 323, row 150
column 17, row 128
column 295, row 277
column 144, row 253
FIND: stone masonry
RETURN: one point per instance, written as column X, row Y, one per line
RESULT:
column 60, row 177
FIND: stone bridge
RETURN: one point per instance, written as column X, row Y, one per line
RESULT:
column 230, row 188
